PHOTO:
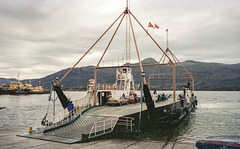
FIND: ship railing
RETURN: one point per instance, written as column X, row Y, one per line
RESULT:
column 71, row 114
column 107, row 86
column 102, row 127
column 61, row 118
column 79, row 106
column 126, row 121
column 84, row 107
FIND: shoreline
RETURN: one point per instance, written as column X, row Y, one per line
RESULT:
column 8, row 139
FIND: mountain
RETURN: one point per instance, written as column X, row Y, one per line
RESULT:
column 207, row 76
column 214, row 76
column 7, row 81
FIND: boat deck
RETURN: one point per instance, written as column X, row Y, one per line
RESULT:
column 95, row 122
column 124, row 110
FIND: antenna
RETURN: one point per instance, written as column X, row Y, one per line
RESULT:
column 167, row 38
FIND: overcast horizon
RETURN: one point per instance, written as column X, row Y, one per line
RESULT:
column 38, row 38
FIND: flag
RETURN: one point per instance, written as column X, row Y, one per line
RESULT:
column 156, row 26
column 150, row 25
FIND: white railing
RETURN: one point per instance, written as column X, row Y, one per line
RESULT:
column 61, row 118
column 107, row 86
column 64, row 116
column 102, row 126
column 126, row 121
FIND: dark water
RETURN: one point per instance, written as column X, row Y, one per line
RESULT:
column 217, row 113
column 24, row 110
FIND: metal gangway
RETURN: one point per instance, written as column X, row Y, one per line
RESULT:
column 79, row 127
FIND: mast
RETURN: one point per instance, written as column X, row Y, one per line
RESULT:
column 129, row 27
column 127, row 32
column 167, row 37
column 174, row 73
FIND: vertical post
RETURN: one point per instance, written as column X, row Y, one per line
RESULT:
column 95, row 128
column 54, row 99
column 149, row 85
column 140, row 114
column 174, row 83
column 167, row 37
column 127, row 37
column 95, row 87
column 104, row 126
column 111, row 125
column 193, row 85
column 131, row 125
column 30, row 129
column 57, row 78
column 135, row 42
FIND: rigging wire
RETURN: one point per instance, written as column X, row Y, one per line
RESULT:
column 101, row 78
column 145, row 9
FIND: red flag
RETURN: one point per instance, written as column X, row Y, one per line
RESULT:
column 150, row 25
column 156, row 26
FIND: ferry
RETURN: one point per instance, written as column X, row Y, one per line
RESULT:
column 19, row 88
column 122, row 105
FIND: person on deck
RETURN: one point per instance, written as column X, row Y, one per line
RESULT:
column 70, row 108
column 158, row 98
column 163, row 97
column 135, row 97
column 155, row 91
column 123, row 95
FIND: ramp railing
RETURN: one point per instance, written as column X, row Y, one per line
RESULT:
column 103, row 127
column 61, row 118
column 126, row 121
column 65, row 116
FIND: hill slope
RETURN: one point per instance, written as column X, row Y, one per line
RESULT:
column 207, row 76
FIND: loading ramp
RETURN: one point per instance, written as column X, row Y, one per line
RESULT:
column 89, row 126
column 92, row 123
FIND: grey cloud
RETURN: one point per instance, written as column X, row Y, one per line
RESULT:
column 23, row 10
column 49, row 36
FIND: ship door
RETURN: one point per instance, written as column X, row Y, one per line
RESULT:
column 102, row 98
column 99, row 95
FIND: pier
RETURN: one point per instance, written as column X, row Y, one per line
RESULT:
column 9, row 140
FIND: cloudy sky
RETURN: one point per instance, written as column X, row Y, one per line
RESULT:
column 40, row 37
